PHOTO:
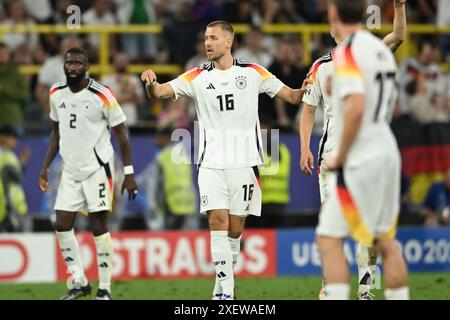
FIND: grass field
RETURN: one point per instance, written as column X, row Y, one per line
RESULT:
column 432, row 286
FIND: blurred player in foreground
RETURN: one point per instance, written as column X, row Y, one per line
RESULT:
column 318, row 94
column 225, row 92
column 82, row 111
column 364, row 193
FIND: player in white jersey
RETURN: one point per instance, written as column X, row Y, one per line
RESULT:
column 225, row 93
column 365, row 191
column 82, row 112
column 318, row 94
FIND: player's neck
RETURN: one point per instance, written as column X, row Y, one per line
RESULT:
column 347, row 29
column 77, row 87
column 224, row 62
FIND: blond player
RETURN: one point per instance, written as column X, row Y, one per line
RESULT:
column 225, row 93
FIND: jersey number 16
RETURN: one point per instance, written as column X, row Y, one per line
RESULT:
column 226, row 101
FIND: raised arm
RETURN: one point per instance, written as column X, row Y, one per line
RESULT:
column 155, row 89
column 394, row 39
column 52, row 150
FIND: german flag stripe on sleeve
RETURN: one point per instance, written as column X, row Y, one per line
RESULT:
column 105, row 94
column 263, row 72
column 57, row 86
column 346, row 64
column 190, row 75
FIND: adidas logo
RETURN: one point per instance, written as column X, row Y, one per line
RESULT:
column 102, row 204
column 221, row 275
column 248, row 207
column 68, row 259
column 62, row 106
column 103, row 265
column 210, row 86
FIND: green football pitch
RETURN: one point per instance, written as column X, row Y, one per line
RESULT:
column 428, row 286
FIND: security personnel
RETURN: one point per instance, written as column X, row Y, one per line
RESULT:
column 275, row 187
column 170, row 190
column 13, row 205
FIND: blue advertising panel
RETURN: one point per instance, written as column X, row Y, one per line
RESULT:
column 424, row 249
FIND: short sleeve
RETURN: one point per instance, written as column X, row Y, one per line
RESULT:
column 313, row 93
column 182, row 85
column 270, row 84
column 348, row 75
column 53, row 113
column 111, row 109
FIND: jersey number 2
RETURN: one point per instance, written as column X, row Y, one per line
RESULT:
column 73, row 120
column 227, row 101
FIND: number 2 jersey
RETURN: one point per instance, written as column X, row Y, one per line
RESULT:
column 84, row 120
column 363, row 64
column 227, row 109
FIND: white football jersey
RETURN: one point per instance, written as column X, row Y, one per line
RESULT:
column 227, row 109
column 363, row 64
column 318, row 94
column 84, row 120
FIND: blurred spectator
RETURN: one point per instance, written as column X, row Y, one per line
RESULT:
column 40, row 10
column 284, row 68
column 13, row 205
column 140, row 46
column 253, row 51
column 200, row 58
column 171, row 201
column 444, row 87
column 17, row 14
column 13, row 91
column 274, row 186
column 126, row 87
column 205, row 11
column 52, row 72
column 60, row 15
column 99, row 14
column 179, row 32
column 426, row 108
column 436, row 208
column 443, row 20
column 412, row 68
column 425, row 11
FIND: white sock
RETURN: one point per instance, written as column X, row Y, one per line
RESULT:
column 235, row 245
column 397, row 294
column 367, row 259
column 222, row 260
column 104, row 248
column 337, row 291
column 69, row 248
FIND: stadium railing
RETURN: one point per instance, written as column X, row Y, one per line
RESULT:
column 304, row 31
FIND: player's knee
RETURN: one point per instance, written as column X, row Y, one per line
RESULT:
column 217, row 222
column 62, row 226
column 234, row 234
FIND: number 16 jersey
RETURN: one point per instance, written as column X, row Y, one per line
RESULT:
column 227, row 110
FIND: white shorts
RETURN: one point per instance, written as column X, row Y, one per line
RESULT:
column 237, row 190
column 93, row 194
column 325, row 182
column 364, row 202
